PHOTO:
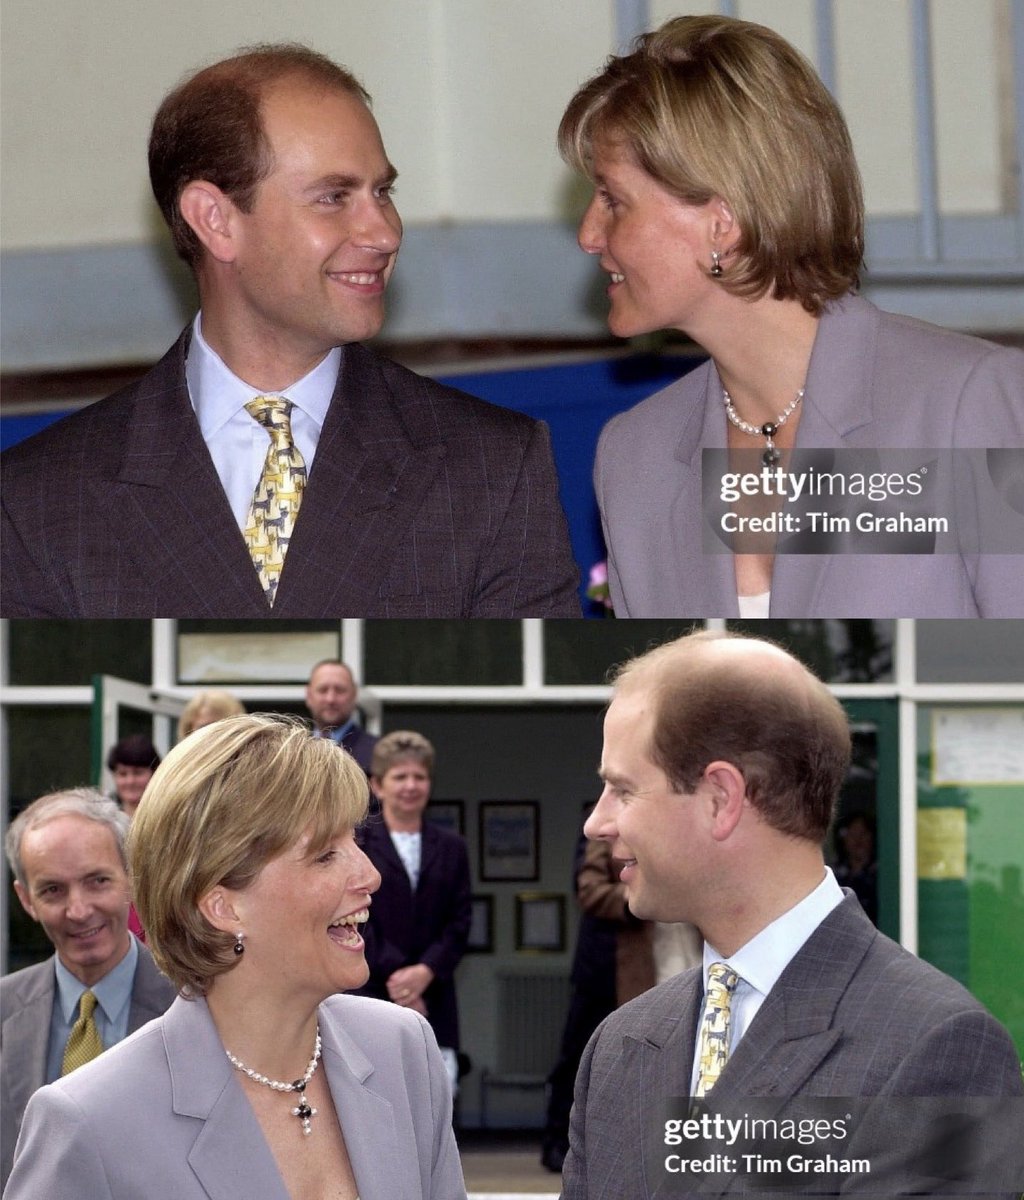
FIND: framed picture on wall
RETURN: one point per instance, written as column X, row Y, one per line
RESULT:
column 481, row 925
column 540, row 922
column 449, row 814
column 510, row 841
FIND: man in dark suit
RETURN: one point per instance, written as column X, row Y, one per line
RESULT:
column 331, row 697
column 401, row 498
column 66, row 852
column 722, row 760
column 420, row 915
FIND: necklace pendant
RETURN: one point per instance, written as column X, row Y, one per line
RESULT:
column 769, row 429
column 770, row 457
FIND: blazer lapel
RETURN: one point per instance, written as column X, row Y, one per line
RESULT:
column 712, row 588
column 230, row 1156
column 374, row 463
column 168, row 507
column 384, row 1170
column 658, row 1062
column 838, row 402
column 430, row 840
column 27, row 1035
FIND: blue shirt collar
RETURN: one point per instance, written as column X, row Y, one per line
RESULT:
column 112, row 992
column 217, row 393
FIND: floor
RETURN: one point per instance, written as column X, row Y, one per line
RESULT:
column 505, row 1165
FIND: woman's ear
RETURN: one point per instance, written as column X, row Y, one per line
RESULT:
column 218, row 907
column 725, row 230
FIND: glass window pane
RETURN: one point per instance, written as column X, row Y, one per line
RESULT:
column 583, row 652
column 442, row 652
column 836, row 651
column 49, row 750
column 970, row 651
column 71, row 652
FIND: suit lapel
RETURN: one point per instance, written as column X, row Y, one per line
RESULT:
column 374, row 463
column 151, row 992
column 693, row 519
column 383, row 1168
column 167, row 505
column 838, row 402
column 430, row 847
column 27, row 1035
column 794, row 1029
column 230, row 1156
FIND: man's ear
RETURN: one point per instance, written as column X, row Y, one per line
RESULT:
column 208, row 212
column 26, row 900
column 728, row 790
column 218, row 907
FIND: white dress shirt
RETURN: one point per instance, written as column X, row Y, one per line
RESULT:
column 763, row 959
column 236, row 441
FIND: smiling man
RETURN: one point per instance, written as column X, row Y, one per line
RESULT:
column 270, row 464
column 331, row 697
column 66, row 852
column 722, row 762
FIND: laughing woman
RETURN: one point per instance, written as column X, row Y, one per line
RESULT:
column 260, row 1081
column 727, row 205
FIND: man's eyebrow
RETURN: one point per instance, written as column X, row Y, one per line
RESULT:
column 612, row 777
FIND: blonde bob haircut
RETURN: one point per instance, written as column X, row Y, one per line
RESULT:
column 712, row 106
column 206, row 707
column 221, row 805
column 401, row 746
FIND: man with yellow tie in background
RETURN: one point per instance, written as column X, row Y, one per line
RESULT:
column 722, row 763
column 66, row 852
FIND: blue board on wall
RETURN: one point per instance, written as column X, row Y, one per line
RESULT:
column 575, row 399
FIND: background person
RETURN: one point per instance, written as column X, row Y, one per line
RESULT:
column 332, row 697
column 727, row 205
column 253, row 890
column 386, row 494
column 206, row 707
column 132, row 761
column 722, row 763
column 66, row 853
column 419, row 923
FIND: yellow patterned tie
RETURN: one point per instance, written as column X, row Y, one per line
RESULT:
column 713, row 1048
column 83, row 1044
column 275, row 503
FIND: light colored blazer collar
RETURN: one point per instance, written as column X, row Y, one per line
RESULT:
column 230, row 1156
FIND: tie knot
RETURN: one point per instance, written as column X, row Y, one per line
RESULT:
column 272, row 412
column 722, row 978
column 87, row 1004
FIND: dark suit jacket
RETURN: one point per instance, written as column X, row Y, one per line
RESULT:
column 852, row 1015
column 429, row 926
column 360, row 745
column 875, row 381
column 26, row 1004
column 421, row 502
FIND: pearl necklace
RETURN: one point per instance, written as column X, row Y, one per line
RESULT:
column 304, row 1110
column 768, row 430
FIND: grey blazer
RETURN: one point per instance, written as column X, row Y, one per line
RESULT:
column 163, row 1115
column 26, row 1004
column 421, row 502
column 853, row 1014
column 876, row 381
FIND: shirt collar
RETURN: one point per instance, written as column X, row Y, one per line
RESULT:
column 112, row 991
column 217, row 393
column 763, row 959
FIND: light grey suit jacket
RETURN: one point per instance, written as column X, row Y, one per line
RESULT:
column 163, row 1115
column 853, row 1014
column 26, row 1004
column 875, row 381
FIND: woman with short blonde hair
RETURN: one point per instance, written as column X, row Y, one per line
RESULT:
column 262, row 1080
column 727, row 206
